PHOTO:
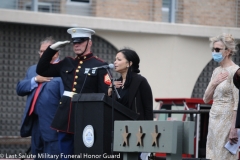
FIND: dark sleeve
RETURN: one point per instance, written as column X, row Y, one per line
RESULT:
column 236, row 79
column 44, row 67
column 237, row 123
column 147, row 99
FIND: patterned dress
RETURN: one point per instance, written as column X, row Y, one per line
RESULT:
column 225, row 101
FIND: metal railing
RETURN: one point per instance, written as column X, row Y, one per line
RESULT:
column 198, row 111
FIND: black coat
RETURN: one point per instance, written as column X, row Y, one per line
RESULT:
column 140, row 99
column 236, row 81
column 77, row 77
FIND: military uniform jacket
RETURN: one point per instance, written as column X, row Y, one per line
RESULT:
column 77, row 77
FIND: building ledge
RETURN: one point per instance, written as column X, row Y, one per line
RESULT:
column 111, row 24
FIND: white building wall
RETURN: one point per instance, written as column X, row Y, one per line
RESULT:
column 171, row 63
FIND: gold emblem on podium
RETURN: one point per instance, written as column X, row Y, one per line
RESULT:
column 140, row 136
column 126, row 135
column 155, row 137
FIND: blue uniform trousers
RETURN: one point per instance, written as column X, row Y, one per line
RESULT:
column 66, row 142
column 39, row 146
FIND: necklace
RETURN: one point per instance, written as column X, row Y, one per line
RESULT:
column 123, row 82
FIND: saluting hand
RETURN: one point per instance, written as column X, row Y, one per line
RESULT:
column 41, row 79
column 59, row 44
column 220, row 78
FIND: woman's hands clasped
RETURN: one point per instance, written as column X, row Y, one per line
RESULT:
column 117, row 84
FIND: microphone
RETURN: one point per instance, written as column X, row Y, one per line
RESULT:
column 109, row 66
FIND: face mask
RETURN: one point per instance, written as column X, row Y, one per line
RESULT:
column 217, row 56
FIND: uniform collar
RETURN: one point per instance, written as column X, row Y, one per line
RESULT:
column 87, row 56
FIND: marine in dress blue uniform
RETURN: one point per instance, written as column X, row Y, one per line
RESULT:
column 77, row 77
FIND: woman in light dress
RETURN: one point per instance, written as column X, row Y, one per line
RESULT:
column 221, row 90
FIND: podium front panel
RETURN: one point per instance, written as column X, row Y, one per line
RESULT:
column 98, row 114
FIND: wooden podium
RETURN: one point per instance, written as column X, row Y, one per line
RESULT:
column 93, row 136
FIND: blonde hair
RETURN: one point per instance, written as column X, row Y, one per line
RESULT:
column 227, row 40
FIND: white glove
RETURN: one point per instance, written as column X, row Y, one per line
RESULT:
column 59, row 44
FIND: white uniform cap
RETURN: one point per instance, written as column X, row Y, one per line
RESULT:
column 80, row 32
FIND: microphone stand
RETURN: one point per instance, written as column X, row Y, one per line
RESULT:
column 115, row 90
column 113, row 97
column 113, row 85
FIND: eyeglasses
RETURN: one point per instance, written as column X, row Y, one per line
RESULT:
column 217, row 49
column 41, row 51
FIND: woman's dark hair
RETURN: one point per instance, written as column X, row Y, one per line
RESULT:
column 132, row 56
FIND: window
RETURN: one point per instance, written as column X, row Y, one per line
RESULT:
column 42, row 7
column 79, row 7
column 169, row 7
column 83, row 1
